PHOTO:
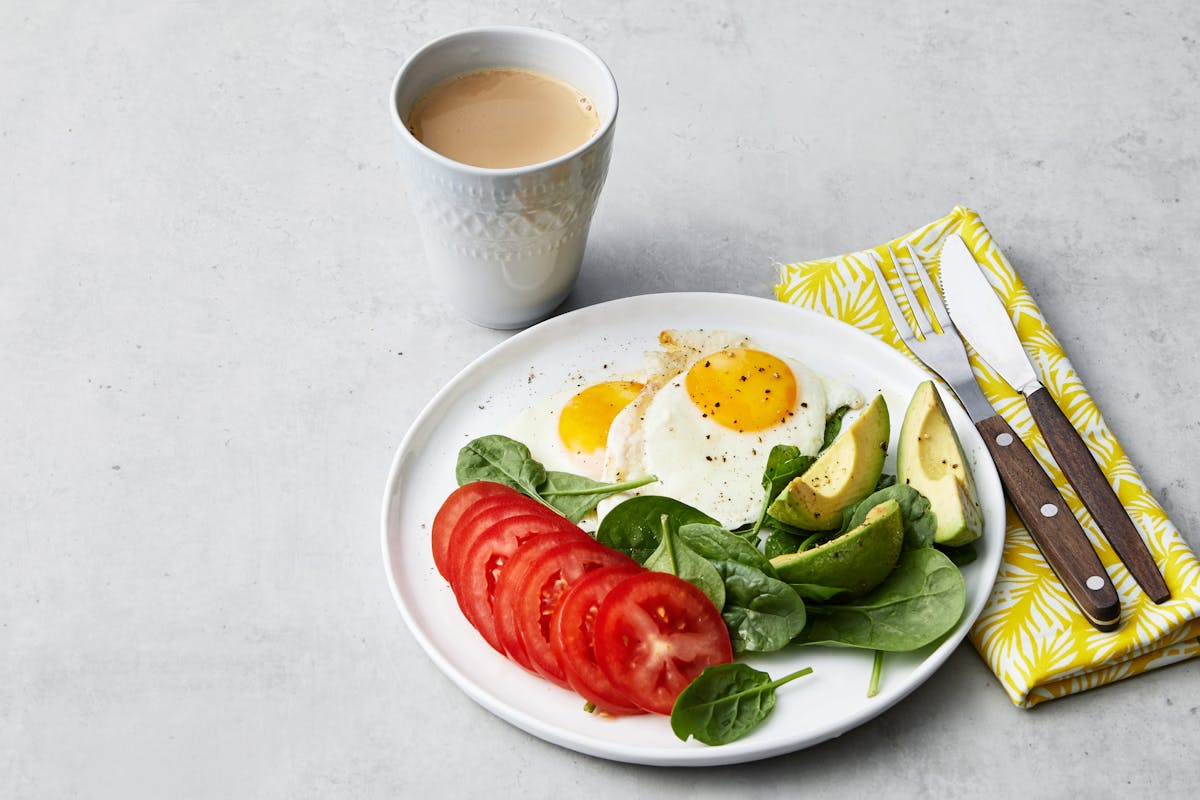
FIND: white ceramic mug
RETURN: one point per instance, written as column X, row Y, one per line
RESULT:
column 505, row 245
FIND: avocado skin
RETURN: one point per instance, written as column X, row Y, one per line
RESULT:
column 804, row 504
column 857, row 561
column 928, row 439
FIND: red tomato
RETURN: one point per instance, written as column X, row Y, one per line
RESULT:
column 512, row 580
column 459, row 501
column 476, row 573
column 654, row 634
column 571, row 638
column 549, row 576
column 481, row 516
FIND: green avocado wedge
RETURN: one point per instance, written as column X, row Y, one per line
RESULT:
column 840, row 477
column 930, row 459
column 857, row 561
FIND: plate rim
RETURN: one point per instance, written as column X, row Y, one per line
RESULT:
column 687, row 755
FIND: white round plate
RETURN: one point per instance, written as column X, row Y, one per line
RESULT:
column 592, row 344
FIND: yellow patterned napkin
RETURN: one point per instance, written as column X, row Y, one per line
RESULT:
column 1030, row 633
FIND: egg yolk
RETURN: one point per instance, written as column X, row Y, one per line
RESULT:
column 584, row 422
column 742, row 389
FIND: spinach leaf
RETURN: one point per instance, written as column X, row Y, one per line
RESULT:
column 762, row 613
column 833, row 426
column 920, row 523
column 573, row 496
column 876, row 674
column 502, row 460
column 961, row 555
column 716, row 544
column 726, row 702
column 784, row 463
column 675, row 557
column 635, row 526
column 922, row 599
column 781, row 543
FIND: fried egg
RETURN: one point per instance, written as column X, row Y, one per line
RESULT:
column 709, row 412
column 568, row 431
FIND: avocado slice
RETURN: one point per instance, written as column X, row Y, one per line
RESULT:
column 844, row 474
column 930, row 459
column 856, row 561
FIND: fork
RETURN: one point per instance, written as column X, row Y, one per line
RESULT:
column 1034, row 496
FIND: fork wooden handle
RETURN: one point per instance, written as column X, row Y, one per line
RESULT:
column 1052, row 525
column 1097, row 494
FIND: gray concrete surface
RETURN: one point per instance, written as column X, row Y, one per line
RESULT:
column 215, row 329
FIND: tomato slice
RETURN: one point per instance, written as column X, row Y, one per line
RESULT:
column 459, row 501
column 484, row 514
column 654, row 634
column 512, row 580
column 479, row 569
column 549, row 576
column 573, row 643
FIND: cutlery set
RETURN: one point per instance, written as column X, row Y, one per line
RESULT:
column 973, row 312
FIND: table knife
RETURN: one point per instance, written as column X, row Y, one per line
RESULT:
column 981, row 317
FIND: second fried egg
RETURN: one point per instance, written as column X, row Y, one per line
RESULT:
column 707, row 431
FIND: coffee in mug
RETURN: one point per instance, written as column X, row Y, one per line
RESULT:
column 505, row 243
column 500, row 118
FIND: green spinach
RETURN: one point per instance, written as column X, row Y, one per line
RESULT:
column 675, row 557
column 784, row 463
column 573, row 496
column 503, row 460
column 833, row 426
column 763, row 614
column 921, row 600
column 961, row 555
column 920, row 523
column 634, row 526
column 726, row 702
column 717, row 544
column 781, row 543
column 876, row 674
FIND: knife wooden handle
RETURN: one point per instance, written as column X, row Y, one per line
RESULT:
column 1097, row 494
column 1052, row 525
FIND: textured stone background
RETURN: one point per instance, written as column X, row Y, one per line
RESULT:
column 215, row 329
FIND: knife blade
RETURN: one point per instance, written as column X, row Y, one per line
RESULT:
column 983, row 320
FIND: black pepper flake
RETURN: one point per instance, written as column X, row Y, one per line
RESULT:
column 708, row 363
column 804, row 405
column 708, row 458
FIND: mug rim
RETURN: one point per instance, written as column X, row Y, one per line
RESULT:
column 407, row 135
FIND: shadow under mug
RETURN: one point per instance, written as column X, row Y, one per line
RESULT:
column 505, row 245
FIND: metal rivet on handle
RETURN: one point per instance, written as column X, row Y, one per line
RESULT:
column 1004, row 439
column 1095, row 582
column 1049, row 510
